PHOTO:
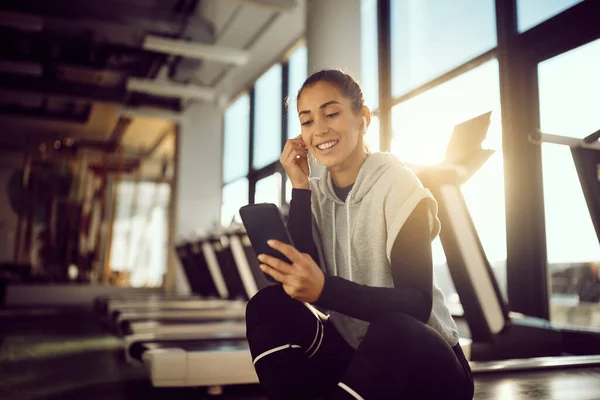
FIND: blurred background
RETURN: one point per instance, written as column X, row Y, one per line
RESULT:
column 132, row 126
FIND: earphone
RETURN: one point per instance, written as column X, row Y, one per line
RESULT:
column 364, row 124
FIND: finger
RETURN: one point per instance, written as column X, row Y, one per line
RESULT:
column 296, row 155
column 290, row 151
column 287, row 149
column 278, row 276
column 289, row 251
column 307, row 256
column 297, row 141
column 275, row 263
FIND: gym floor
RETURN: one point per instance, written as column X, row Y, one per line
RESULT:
column 67, row 354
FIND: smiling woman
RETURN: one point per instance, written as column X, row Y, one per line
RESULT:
column 362, row 235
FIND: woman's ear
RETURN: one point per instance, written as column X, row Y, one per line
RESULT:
column 366, row 117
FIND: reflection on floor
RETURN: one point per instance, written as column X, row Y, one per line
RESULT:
column 580, row 384
column 67, row 354
column 570, row 311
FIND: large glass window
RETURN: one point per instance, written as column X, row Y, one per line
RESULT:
column 533, row 12
column 372, row 136
column 430, row 37
column 235, row 196
column 568, row 107
column 267, row 118
column 369, row 52
column 140, row 232
column 422, row 128
column 268, row 190
column 297, row 74
column 237, row 139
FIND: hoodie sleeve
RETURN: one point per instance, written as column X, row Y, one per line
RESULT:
column 412, row 270
column 300, row 222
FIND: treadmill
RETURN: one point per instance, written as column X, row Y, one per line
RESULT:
column 497, row 335
column 224, row 323
column 193, row 358
column 223, row 255
column 196, row 271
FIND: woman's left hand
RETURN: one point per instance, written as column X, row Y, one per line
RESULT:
column 302, row 280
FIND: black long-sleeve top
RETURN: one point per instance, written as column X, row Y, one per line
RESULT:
column 411, row 265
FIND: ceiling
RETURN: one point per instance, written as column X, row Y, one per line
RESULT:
column 64, row 66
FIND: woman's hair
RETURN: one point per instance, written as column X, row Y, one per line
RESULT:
column 345, row 83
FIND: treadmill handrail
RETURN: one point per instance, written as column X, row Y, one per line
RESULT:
column 540, row 137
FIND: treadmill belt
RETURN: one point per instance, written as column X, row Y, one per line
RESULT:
column 137, row 350
column 126, row 326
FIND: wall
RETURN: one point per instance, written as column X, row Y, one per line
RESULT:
column 199, row 152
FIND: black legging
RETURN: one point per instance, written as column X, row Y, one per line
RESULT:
column 299, row 355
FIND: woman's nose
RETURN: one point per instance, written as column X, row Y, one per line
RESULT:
column 321, row 127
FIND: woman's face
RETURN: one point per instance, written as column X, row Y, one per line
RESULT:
column 331, row 130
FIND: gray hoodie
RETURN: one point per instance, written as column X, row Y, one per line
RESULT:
column 354, row 238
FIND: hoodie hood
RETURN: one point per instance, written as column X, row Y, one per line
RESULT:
column 372, row 169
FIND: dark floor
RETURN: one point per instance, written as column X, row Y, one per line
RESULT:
column 68, row 354
column 77, row 358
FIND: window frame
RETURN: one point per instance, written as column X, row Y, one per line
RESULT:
column 518, row 55
column 254, row 175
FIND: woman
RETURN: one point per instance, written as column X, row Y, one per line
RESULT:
column 369, row 223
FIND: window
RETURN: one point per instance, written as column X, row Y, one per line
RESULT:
column 140, row 232
column 268, row 121
column 430, row 37
column 568, row 107
column 422, row 128
column 235, row 196
column 533, row 12
column 268, row 190
column 267, row 118
column 237, row 139
column 372, row 136
column 297, row 74
column 369, row 53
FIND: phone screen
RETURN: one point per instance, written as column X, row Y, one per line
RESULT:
column 264, row 222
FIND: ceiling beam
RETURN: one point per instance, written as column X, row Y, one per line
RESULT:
column 276, row 5
column 158, row 19
column 163, row 136
column 118, row 95
column 149, row 112
column 60, row 89
column 207, row 52
column 21, row 21
column 170, row 89
column 118, row 132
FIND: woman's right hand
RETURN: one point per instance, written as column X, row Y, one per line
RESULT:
column 294, row 159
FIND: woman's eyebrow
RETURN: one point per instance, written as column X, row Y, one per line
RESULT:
column 321, row 107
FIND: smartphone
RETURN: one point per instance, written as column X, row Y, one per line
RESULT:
column 264, row 222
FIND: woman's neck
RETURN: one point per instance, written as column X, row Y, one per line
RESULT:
column 345, row 174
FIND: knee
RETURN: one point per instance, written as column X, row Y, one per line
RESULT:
column 270, row 304
column 263, row 303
